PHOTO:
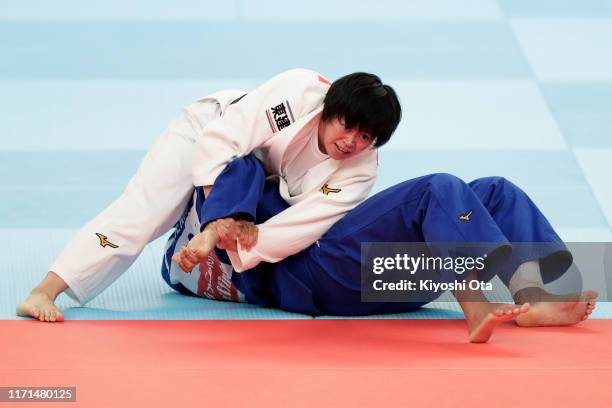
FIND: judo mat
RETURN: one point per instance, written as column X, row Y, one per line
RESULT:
column 141, row 293
column 281, row 363
column 511, row 88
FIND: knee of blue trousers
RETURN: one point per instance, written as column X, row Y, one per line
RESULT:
column 496, row 183
column 495, row 189
column 491, row 180
column 445, row 182
column 444, row 179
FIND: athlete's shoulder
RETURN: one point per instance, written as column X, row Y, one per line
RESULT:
column 303, row 75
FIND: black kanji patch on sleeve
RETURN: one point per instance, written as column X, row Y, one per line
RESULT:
column 280, row 116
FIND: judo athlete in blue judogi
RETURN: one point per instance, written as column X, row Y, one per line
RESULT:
column 326, row 277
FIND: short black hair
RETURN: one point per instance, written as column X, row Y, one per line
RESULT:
column 362, row 100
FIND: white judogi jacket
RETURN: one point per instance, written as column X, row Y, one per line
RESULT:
column 267, row 122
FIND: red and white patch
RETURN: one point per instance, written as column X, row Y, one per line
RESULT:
column 215, row 282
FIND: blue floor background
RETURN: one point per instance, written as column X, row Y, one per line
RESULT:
column 514, row 88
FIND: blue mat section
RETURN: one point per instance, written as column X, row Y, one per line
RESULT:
column 511, row 88
column 556, row 8
column 140, row 293
column 583, row 111
column 75, row 186
column 87, row 50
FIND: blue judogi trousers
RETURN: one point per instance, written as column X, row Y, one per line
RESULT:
column 325, row 278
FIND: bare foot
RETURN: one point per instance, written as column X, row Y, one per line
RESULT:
column 482, row 318
column 556, row 310
column 204, row 242
column 40, row 306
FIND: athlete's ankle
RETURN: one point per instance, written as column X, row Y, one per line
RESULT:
column 52, row 285
column 529, row 295
column 41, row 290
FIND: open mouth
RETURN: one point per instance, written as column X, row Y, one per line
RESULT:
column 340, row 150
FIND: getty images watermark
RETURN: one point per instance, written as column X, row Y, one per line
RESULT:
column 407, row 264
column 422, row 272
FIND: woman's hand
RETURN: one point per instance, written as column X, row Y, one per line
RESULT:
column 248, row 234
column 228, row 231
column 232, row 232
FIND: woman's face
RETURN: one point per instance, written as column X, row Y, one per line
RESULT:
column 341, row 143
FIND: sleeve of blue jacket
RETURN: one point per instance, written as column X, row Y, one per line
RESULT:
column 236, row 192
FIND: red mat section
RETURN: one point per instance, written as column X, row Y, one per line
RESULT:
column 389, row 363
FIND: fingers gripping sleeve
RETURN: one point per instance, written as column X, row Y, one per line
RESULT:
column 300, row 225
column 245, row 126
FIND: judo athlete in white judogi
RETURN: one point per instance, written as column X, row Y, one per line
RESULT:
column 292, row 123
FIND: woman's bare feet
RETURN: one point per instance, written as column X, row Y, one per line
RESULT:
column 482, row 317
column 224, row 232
column 555, row 310
column 39, row 305
column 196, row 250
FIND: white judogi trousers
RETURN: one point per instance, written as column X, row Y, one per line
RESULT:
column 151, row 204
